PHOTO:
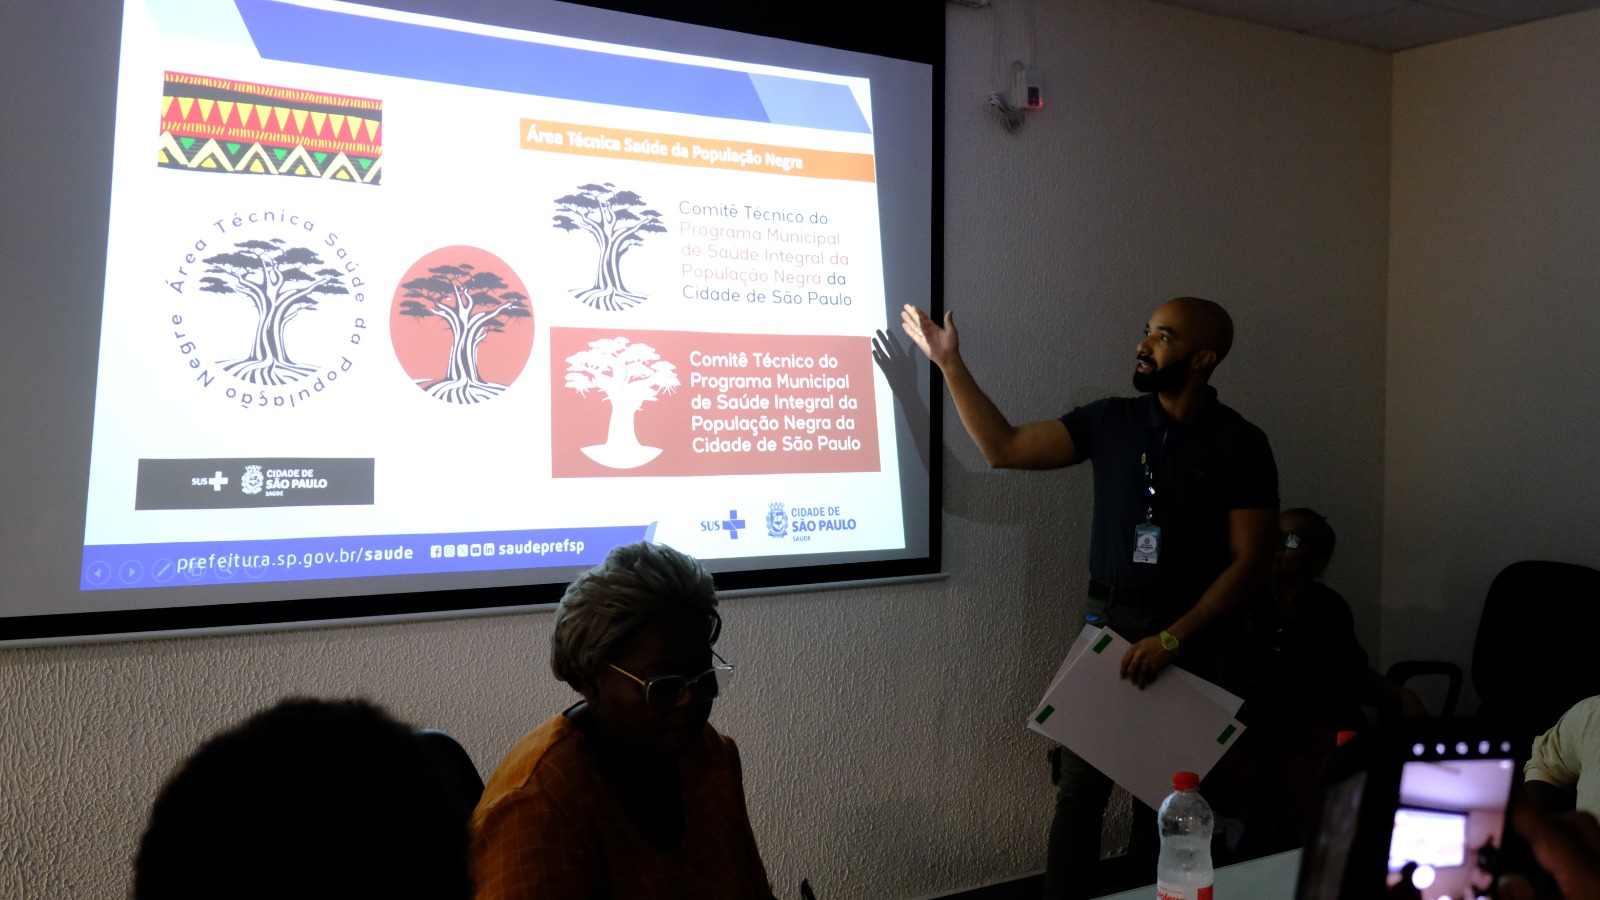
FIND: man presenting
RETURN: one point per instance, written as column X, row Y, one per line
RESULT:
column 1185, row 522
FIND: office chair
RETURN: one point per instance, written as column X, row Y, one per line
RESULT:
column 1534, row 653
column 455, row 768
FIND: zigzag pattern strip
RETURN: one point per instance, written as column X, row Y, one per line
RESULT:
column 209, row 155
column 234, row 127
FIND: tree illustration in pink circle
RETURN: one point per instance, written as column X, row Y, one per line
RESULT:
column 461, row 324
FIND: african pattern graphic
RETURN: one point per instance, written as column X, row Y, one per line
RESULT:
column 235, row 127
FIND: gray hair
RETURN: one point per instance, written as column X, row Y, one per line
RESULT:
column 606, row 603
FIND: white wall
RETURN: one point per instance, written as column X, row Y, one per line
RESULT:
column 1493, row 313
column 882, row 728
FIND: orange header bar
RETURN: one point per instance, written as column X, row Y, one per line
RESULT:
column 706, row 153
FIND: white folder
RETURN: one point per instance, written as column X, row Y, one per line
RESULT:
column 1137, row 738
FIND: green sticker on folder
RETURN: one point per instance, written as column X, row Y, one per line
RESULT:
column 1104, row 642
column 1226, row 733
column 1044, row 714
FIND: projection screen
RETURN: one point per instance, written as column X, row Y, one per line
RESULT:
column 325, row 310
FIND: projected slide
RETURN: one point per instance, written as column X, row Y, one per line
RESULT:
column 389, row 294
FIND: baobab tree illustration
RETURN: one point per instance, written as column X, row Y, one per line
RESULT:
column 608, row 216
column 474, row 304
column 629, row 374
column 273, row 276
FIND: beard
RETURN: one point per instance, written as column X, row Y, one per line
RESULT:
column 1170, row 377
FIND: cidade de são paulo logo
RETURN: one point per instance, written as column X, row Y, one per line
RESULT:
column 777, row 521
column 267, row 308
column 800, row 522
column 274, row 482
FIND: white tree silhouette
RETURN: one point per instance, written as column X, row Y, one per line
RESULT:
column 628, row 374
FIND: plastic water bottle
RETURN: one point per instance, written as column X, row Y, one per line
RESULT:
column 1184, row 870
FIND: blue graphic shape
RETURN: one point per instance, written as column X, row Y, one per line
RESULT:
column 810, row 104
column 732, row 524
column 362, row 43
column 360, row 556
column 205, row 19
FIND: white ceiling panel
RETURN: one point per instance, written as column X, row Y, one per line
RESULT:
column 1295, row 15
column 1463, row 784
column 1388, row 24
column 1412, row 26
column 1516, row 10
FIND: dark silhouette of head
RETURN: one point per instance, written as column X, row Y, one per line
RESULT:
column 308, row 799
column 1213, row 327
column 1313, row 540
column 647, row 611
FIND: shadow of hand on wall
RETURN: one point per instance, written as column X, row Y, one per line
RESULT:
column 899, row 367
column 899, row 362
column 964, row 494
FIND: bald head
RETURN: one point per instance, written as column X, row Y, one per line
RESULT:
column 1208, row 325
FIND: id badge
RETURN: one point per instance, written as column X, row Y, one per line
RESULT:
column 1146, row 543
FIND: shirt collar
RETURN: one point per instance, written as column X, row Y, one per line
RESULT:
column 1156, row 417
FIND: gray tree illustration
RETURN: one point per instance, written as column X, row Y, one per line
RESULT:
column 630, row 375
column 474, row 305
column 609, row 217
column 274, row 278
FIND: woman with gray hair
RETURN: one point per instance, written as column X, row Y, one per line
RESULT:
column 628, row 793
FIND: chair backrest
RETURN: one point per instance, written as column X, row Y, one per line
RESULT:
column 1534, row 656
column 455, row 767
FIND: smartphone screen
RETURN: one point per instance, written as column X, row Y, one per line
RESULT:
column 1449, row 825
column 1416, row 810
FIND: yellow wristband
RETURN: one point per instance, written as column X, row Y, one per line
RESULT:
column 1169, row 642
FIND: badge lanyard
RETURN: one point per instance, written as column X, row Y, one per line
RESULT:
column 1147, row 536
column 1149, row 479
column 1150, row 475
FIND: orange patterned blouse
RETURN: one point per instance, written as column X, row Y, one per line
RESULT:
column 550, row 826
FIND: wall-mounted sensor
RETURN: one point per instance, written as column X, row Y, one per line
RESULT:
column 1027, row 94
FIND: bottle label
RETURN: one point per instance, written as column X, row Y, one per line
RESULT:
column 1169, row 892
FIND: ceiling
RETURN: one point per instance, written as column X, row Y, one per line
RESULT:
column 1388, row 24
column 1462, row 784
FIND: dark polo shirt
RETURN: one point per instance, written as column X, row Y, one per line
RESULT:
column 1203, row 468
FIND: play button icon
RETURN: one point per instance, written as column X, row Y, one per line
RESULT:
column 131, row 571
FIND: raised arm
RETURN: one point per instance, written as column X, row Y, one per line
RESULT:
column 1251, row 533
column 1037, row 445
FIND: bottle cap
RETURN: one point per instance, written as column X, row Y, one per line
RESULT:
column 1185, row 781
column 1344, row 737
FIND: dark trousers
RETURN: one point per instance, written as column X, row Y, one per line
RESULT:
column 1082, row 792
column 1074, row 849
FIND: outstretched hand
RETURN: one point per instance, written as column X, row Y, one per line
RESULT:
column 939, row 343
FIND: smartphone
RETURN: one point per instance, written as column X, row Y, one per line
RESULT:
column 1415, row 810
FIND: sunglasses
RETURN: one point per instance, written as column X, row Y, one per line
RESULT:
column 665, row 692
